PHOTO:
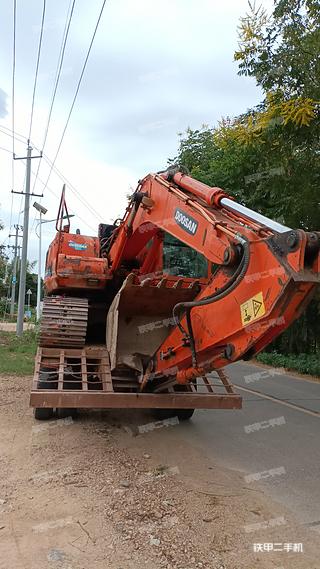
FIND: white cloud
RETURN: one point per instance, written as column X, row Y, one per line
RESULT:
column 155, row 68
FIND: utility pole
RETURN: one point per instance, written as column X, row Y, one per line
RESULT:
column 18, row 258
column 42, row 211
column 39, row 271
column 14, row 269
column 23, row 265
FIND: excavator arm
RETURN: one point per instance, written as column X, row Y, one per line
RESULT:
column 168, row 323
column 265, row 273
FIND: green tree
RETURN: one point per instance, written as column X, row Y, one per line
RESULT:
column 282, row 50
column 269, row 157
column 3, row 265
column 31, row 282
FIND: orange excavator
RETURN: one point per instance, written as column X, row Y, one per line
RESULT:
column 148, row 313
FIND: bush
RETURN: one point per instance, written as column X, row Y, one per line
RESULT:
column 303, row 363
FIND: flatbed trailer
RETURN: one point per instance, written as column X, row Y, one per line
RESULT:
column 81, row 378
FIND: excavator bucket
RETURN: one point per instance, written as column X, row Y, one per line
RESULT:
column 140, row 318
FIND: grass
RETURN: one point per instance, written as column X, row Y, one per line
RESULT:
column 303, row 363
column 17, row 354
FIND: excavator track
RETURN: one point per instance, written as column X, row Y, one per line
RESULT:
column 64, row 322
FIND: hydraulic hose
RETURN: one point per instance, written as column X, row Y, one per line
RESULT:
column 217, row 295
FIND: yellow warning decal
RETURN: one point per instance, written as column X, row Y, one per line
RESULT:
column 252, row 309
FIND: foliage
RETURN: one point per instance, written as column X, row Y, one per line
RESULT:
column 3, row 263
column 282, row 50
column 17, row 354
column 265, row 170
column 6, row 268
column 303, row 363
column 269, row 157
column 304, row 334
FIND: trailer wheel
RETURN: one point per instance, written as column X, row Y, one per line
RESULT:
column 47, row 380
column 184, row 414
column 64, row 412
column 43, row 413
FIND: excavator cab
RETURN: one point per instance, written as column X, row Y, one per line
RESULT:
column 140, row 316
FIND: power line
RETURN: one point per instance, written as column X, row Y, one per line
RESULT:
column 37, row 66
column 13, row 95
column 21, row 199
column 57, row 197
column 9, row 133
column 5, row 149
column 57, row 78
column 57, row 172
column 77, row 90
column 13, row 69
column 11, row 210
column 12, row 193
column 81, row 219
column 72, row 188
column 18, row 136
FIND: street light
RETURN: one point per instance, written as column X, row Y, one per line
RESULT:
column 40, row 208
column 42, row 211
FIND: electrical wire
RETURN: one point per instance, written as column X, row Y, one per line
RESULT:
column 13, row 69
column 21, row 199
column 9, row 133
column 72, row 188
column 57, row 79
column 77, row 194
column 77, row 91
column 18, row 137
column 55, row 169
column 37, row 67
column 21, row 138
column 57, row 197
column 13, row 87
column 81, row 219
column 11, row 211
column 5, row 149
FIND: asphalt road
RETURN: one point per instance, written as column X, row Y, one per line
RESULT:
column 273, row 440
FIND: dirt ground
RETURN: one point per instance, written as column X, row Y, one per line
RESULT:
column 97, row 492
column 11, row 326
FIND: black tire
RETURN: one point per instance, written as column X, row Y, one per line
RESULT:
column 184, row 414
column 46, row 381
column 43, row 413
column 64, row 412
column 162, row 414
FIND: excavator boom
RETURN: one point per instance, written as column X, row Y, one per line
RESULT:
column 264, row 273
column 186, row 283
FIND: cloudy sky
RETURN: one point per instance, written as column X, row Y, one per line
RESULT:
column 156, row 67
